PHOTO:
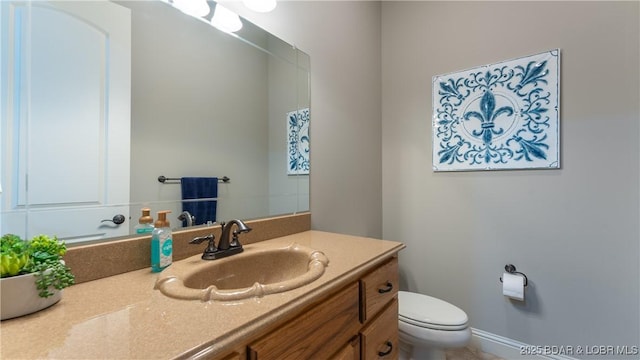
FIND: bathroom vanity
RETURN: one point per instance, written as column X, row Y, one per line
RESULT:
column 350, row 312
column 358, row 322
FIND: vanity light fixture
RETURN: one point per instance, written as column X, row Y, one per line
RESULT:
column 197, row 8
column 225, row 20
column 260, row 5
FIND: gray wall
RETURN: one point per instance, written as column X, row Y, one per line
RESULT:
column 573, row 231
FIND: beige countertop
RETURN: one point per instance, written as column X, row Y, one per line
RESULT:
column 123, row 317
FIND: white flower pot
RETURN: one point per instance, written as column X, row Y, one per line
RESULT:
column 19, row 296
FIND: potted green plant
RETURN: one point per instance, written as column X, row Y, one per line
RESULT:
column 32, row 274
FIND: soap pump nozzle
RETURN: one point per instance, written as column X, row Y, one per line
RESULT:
column 162, row 219
column 146, row 216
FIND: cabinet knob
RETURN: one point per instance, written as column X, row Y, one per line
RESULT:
column 389, row 350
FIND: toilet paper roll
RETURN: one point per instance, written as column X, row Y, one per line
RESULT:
column 513, row 286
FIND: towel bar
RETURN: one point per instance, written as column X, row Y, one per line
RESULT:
column 163, row 179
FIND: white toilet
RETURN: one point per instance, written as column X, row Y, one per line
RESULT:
column 428, row 326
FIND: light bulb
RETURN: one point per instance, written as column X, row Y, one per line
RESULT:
column 225, row 20
column 260, row 5
column 197, row 8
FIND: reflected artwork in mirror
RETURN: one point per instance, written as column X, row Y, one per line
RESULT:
column 101, row 98
column 298, row 142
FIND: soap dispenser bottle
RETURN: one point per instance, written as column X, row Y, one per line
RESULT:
column 161, row 243
column 145, row 223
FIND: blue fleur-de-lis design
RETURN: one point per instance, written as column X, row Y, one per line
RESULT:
column 532, row 147
column 532, row 74
column 497, row 116
column 294, row 162
column 485, row 154
column 534, row 112
column 488, row 78
column 446, row 122
column 293, row 120
column 304, row 140
column 450, row 91
column 451, row 153
column 491, row 78
column 487, row 117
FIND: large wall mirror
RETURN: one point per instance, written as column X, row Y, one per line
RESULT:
column 101, row 98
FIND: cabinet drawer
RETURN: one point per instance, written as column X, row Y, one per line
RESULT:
column 378, row 288
column 316, row 334
column 380, row 336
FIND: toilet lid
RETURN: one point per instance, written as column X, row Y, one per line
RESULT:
column 429, row 312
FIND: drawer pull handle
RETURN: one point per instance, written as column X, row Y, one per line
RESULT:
column 385, row 353
column 388, row 287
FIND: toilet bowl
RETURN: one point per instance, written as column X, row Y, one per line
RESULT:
column 428, row 326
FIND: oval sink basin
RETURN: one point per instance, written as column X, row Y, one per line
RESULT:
column 253, row 273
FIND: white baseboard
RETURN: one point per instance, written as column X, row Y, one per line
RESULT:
column 508, row 348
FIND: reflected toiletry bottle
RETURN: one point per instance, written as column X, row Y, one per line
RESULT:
column 145, row 223
column 161, row 243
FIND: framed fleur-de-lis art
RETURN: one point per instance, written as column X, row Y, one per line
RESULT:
column 498, row 116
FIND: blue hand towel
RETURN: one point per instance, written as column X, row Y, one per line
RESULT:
column 200, row 188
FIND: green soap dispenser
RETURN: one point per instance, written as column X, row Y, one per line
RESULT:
column 161, row 243
column 145, row 223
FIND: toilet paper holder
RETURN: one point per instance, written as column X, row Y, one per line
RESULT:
column 510, row 268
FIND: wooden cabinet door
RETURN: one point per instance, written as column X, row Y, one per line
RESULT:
column 380, row 336
column 315, row 334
